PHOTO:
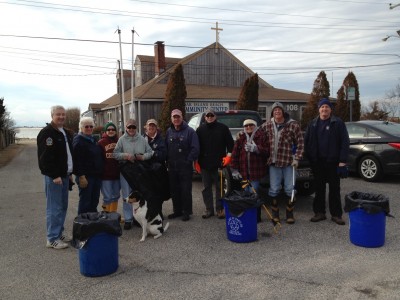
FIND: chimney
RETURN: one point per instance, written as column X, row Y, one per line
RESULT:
column 159, row 58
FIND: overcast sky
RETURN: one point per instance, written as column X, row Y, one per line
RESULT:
column 66, row 52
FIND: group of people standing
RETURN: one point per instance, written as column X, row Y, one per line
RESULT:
column 275, row 148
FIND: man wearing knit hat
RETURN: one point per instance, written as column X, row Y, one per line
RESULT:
column 286, row 149
column 327, row 148
column 110, row 184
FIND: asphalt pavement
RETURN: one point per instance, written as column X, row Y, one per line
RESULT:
column 194, row 260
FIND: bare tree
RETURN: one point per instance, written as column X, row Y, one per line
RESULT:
column 73, row 115
column 391, row 103
column 373, row 111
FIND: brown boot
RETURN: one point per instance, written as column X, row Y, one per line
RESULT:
column 289, row 213
column 275, row 211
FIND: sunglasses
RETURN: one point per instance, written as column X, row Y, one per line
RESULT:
column 210, row 115
column 131, row 127
column 88, row 126
column 111, row 129
column 248, row 125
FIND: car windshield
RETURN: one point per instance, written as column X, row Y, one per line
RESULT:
column 390, row 128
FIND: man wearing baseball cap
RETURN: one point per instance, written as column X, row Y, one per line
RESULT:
column 216, row 144
column 182, row 150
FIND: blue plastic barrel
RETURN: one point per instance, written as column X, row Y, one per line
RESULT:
column 243, row 228
column 99, row 256
column 367, row 229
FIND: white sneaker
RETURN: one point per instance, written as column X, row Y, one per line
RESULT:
column 57, row 244
column 65, row 238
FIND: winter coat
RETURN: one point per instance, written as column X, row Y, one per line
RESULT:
column 52, row 151
column 87, row 156
column 282, row 142
column 136, row 144
column 158, row 146
column 339, row 143
column 111, row 168
column 182, row 146
column 215, row 142
column 251, row 165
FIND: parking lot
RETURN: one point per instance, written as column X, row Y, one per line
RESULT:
column 195, row 259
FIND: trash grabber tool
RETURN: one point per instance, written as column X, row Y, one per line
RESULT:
column 294, row 182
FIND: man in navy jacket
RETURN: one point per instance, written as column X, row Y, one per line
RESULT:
column 327, row 148
column 182, row 150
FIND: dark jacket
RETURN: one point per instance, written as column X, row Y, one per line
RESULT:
column 182, row 146
column 215, row 142
column 338, row 149
column 88, row 158
column 52, row 152
column 111, row 165
column 158, row 145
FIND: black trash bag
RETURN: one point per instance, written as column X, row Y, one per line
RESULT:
column 149, row 177
column 87, row 225
column 371, row 203
column 263, row 187
column 239, row 201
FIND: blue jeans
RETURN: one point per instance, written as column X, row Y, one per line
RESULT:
column 56, row 207
column 89, row 196
column 126, row 207
column 110, row 190
column 276, row 176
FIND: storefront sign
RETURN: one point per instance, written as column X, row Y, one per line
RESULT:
column 199, row 107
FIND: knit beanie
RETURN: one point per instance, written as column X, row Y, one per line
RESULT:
column 324, row 101
column 108, row 125
column 275, row 105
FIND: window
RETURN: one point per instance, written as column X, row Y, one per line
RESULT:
column 356, row 132
column 109, row 116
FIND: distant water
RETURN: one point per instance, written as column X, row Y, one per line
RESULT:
column 27, row 132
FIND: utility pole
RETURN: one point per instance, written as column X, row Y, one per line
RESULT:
column 122, row 125
column 122, row 80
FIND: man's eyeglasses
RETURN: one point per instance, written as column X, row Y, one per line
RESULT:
column 111, row 129
column 210, row 115
column 131, row 127
column 88, row 126
column 248, row 125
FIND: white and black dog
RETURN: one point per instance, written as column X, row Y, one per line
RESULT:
column 150, row 221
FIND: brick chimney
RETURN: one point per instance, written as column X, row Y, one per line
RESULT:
column 159, row 58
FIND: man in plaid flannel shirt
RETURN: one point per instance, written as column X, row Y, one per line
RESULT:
column 286, row 146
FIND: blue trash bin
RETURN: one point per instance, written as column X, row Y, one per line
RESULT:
column 242, row 228
column 367, row 218
column 99, row 256
column 96, row 234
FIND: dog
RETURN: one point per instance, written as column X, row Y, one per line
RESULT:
column 150, row 220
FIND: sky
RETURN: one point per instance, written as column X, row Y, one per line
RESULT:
column 66, row 52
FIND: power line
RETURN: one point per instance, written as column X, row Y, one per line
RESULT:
column 61, row 75
column 192, row 19
column 198, row 47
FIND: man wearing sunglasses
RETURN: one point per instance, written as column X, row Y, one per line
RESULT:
column 131, row 146
column 182, row 150
column 216, row 144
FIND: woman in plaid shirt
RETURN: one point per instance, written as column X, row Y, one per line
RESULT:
column 250, row 154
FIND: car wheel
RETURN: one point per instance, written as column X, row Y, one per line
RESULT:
column 369, row 168
column 305, row 188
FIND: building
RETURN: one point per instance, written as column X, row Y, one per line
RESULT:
column 214, row 78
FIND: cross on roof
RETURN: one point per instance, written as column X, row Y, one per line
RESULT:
column 216, row 35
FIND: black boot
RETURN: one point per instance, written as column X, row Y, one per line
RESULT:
column 275, row 211
column 289, row 212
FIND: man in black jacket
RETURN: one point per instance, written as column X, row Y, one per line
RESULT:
column 216, row 144
column 55, row 162
column 327, row 148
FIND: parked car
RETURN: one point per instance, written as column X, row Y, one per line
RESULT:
column 234, row 120
column 374, row 148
